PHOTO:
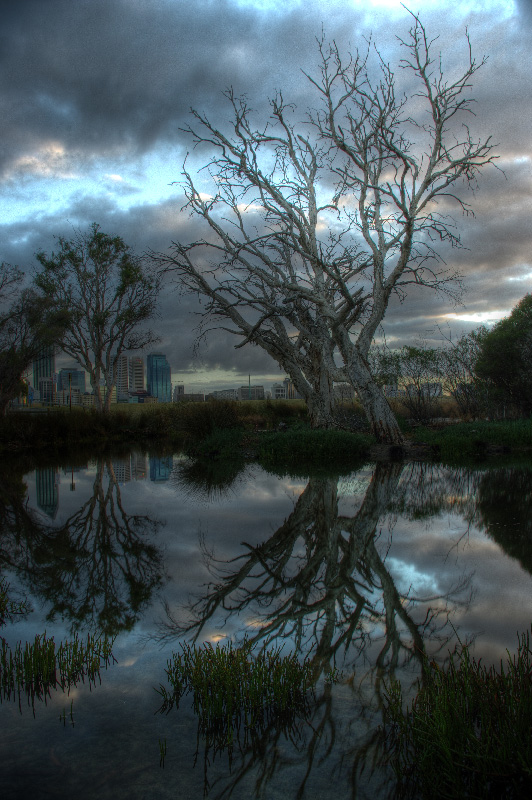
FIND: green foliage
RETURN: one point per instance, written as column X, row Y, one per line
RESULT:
column 221, row 445
column 467, row 732
column 107, row 292
column 27, row 325
column 200, row 420
column 505, row 358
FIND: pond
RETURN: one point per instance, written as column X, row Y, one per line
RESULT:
column 360, row 572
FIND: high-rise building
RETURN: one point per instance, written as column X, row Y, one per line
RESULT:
column 44, row 367
column 122, row 375
column 136, row 374
column 179, row 392
column 46, row 388
column 159, row 377
column 77, row 379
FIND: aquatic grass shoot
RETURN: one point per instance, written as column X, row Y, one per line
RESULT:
column 36, row 668
column 231, row 688
column 469, row 725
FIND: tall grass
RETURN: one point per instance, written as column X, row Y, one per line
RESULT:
column 34, row 669
column 467, row 734
column 301, row 448
column 231, row 688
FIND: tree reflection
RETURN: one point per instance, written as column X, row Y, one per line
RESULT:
column 321, row 584
column 504, row 510
column 99, row 568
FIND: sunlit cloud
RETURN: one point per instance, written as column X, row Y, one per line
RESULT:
column 51, row 160
column 480, row 317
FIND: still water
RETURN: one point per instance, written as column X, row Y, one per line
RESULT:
column 360, row 572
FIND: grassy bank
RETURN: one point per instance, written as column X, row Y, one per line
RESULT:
column 276, row 433
column 472, row 440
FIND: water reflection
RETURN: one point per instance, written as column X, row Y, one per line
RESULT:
column 321, row 584
column 353, row 573
column 99, row 568
column 504, row 510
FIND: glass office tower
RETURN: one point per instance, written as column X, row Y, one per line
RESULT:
column 158, row 377
column 44, row 365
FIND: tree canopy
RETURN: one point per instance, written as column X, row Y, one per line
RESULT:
column 108, row 293
column 28, row 322
column 505, row 357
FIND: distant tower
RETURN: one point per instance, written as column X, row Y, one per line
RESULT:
column 136, row 374
column 179, row 392
column 122, row 375
column 43, row 373
column 159, row 377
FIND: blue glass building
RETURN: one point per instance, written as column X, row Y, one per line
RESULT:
column 158, row 377
column 78, row 379
column 44, row 365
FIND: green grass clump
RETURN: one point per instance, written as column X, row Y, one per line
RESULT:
column 231, row 688
column 468, row 730
column 36, row 668
column 302, row 447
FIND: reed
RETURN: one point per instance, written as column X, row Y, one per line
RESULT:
column 231, row 688
column 35, row 668
column 467, row 732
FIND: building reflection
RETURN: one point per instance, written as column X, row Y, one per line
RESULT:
column 161, row 468
column 47, row 485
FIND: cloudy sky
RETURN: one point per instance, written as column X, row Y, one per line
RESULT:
column 94, row 93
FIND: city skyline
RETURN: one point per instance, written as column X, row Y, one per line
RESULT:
column 99, row 144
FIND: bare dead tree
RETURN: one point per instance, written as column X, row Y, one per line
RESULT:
column 314, row 225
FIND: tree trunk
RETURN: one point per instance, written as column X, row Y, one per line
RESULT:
column 380, row 416
column 320, row 398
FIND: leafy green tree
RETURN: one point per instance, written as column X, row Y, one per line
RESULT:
column 505, row 358
column 109, row 293
column 28, row 322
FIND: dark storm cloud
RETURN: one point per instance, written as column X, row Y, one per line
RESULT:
column 107, row 75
